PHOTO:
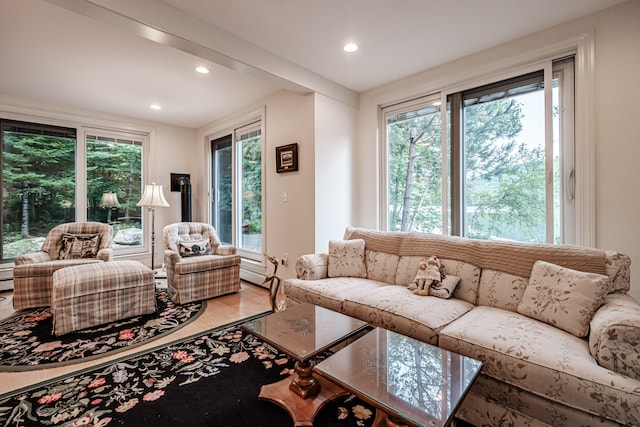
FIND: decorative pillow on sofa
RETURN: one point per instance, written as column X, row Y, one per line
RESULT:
column 563, row 297
column 188, row 248
column 346, row 258
column 445, row 287
column 76, row 246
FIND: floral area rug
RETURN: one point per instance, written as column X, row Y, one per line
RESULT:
column 212, row 379
column 27, row 341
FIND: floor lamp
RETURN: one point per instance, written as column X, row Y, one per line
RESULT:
column 153, row 198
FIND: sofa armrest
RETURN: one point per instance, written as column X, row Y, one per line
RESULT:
column 105, row 254
column 614, row 340
column 225, row 250
column 313, row 266
column 32, row 258
column 618, row 267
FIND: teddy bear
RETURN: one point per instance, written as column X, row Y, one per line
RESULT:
column 428, row 273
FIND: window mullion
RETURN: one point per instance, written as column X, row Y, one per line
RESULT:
column 457, row 170
column 548, row 134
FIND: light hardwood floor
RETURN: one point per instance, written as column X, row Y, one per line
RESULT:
column 251, row 300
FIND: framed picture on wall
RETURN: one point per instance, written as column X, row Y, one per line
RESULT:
column 287, row 158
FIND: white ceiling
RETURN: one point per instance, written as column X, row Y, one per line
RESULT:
column 59, row 56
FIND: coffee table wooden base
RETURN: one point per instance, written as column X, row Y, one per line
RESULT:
column 302, row 411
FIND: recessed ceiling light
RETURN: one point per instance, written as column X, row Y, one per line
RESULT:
column 155, row 107
column 350, row 47
column 202, row 70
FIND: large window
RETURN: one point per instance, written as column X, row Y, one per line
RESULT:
column 50, row 177
column 237, row 189
column 114, row 184
column 38, row 183
column 496, row 163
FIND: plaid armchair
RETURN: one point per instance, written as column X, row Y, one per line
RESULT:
column 198, row 266
column 33, row 273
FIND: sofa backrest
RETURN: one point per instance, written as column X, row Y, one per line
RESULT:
column 493, row 273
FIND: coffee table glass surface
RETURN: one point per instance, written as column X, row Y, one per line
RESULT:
column 304, row 330
column 412, row 382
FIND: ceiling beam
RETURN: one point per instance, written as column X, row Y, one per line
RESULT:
column 163, row 24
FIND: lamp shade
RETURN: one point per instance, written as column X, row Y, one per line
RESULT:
column 109, row 200
column 153, row 196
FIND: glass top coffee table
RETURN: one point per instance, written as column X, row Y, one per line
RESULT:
column 410, row 382
column 302, row 332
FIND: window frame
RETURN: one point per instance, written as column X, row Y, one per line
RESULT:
column 144, row 139
column 394, row 109
column 582, row 231
column 252, row 262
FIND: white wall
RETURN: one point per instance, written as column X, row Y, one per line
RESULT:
column 336, row 136
column 617, row 144
column 288, row 226
column 617, row 111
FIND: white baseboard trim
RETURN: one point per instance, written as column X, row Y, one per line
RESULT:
column 252, row 277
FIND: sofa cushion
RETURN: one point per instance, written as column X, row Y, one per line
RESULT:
column 382, row 266
column 614, row 339
column 563, row 297
column 396, row 308
column 346, row 258
column 500, row 289
column 543, row 360
column 331, row 292
column 469, row 275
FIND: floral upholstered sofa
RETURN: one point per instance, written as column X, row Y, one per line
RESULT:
column 557, row 332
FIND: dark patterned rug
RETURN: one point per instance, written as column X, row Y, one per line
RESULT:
column 28, row 343
column 212, row 379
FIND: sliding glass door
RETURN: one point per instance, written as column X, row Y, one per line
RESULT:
column 236, row 193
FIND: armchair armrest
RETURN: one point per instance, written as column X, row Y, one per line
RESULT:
column 32, row 258
column 105, row 254
column 614, row 339
column 225, row 250
column 313, row 266
column 171, row 258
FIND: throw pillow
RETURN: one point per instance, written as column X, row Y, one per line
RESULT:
column 188, row 248
column 445, row 287
column 346, row 258
column 562, row 297
column 76, row 246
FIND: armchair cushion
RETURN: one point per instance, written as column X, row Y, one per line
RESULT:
column 205, row 263
column 199, row 247
column 76, row 246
